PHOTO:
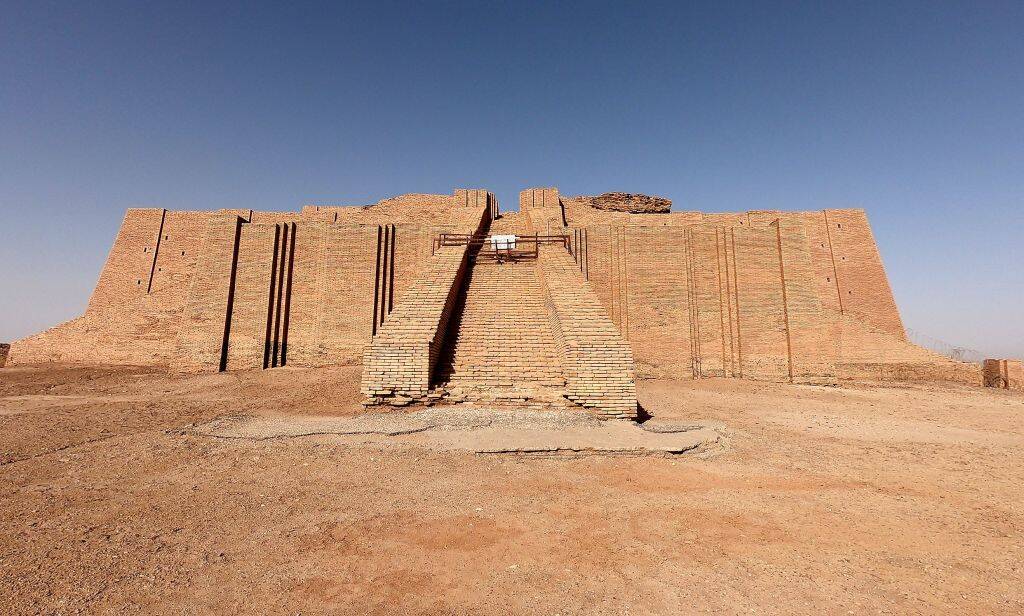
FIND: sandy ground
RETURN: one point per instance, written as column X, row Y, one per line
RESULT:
column 820, row 500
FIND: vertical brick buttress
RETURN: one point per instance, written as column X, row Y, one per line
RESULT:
column 1004, row 373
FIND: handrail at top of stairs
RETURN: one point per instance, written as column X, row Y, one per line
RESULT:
column 481, row 242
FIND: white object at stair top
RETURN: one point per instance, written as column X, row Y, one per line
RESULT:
column 502, row 242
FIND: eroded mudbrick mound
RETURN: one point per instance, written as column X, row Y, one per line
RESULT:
column 4, row 349
column 631, row 203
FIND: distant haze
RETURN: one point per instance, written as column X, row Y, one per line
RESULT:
column 911, row 111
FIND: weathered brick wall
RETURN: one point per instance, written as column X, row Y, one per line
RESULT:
column 543, row 208
column 134, row 313
column 4, row 350
column 413, row 247
column 249, row 310
column 596, row 361
column 706, row 300
column 126, row 273
column 400, row 363
column 201, row 338
column 643, row 262
column 177, row 253
column 762, row 294
column 257, row 322
column 863, row 287
column 345, row 322
column 811, row 347
column 309, row 273
column 1004, row 373
column 147, row 289
column 851, row 278
column 321, row 307
column 1014, row 371
column 938, row 370
column 766, row 294
column 762, row 338
column 155, row 250
column 264, row 218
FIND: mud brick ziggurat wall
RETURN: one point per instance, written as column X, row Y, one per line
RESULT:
column 632, row 290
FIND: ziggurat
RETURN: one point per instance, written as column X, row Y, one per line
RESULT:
column 597, row 292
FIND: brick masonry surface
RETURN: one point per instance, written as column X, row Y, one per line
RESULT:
column 784, row 296
column 1004, row 373
column 597, row 361
column 799, row 296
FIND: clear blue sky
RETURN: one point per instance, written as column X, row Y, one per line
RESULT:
column 912, row 111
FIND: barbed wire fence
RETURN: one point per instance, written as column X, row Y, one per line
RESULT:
column 942, row 347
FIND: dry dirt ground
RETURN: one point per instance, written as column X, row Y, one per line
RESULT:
column 819, row 500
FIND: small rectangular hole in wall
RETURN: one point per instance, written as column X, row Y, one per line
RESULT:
column 839, row 225
column 828, row 279
column 146, row 249
column 138, row 282
column 183, row 253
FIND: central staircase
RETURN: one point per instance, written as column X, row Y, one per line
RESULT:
column 500, row 347
column 502, row 326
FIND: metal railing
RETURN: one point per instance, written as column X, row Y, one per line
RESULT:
column 523, row 247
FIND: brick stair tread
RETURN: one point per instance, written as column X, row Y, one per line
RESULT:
column 501, row 344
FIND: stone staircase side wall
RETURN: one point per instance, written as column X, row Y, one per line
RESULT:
column 399, row 365
column 402, row 356
column 598, row 363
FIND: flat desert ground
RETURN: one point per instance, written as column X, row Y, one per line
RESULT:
column 847, row 500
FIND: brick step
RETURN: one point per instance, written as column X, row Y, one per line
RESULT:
column 501, row 389
column 511, row 223
column 507, row 371
column 542, row 395
column 502, row 347
column 512, row 349
column 534, row 358
column 520, row 310
column 493, row 359
column 519, row 322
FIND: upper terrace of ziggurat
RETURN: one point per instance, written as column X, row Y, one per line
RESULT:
column 425, row 293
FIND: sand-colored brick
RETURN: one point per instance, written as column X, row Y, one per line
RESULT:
column 786, row 296
column 1004, row 373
